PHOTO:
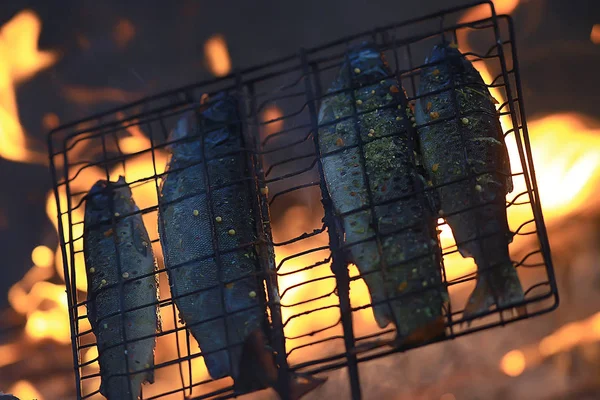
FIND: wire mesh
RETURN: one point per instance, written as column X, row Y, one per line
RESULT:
column 318, row 314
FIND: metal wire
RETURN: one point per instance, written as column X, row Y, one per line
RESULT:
column 313, row 319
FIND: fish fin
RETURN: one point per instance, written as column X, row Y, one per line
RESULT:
column 150, row 375
column 371, row 345
column 433, row 330
column 381, row 315
column 182, row 129
column 432, row 199
column 505, row 162
column 139, row 236
column 464, row 251
column 503, row 282
column 303, row 384
column 257, row 369
column 91, row 308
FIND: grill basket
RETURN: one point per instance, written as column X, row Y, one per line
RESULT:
column 318, row 312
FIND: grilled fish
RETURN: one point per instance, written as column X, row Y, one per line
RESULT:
column 468, row 163
column 402, row 269
column 105, row 248
column 206, row 288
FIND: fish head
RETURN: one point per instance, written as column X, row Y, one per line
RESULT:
column 107, row 197
column 369, row 61
column 222, row 108
column 183, row 137
column 204, row 123
column 445, row 52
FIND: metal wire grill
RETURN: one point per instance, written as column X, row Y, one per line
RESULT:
column 317, row 309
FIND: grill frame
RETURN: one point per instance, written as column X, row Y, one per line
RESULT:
column 307, row 62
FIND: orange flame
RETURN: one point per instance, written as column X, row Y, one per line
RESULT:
column 25, row 390
column 562, row 340
column 595, row 34
column 50, row 121
column 10, row 354
column 92, row 95
column 217, row 55
column 483, row 11
column 513, row 363
column 123, row 33
column 271, row 113
column 566, row 151
column 20, row 60
column 42, row 256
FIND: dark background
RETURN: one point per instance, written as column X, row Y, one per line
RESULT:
column 559, row 67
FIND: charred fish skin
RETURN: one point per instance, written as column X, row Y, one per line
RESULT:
column 186, row 235
column 470, row 145
column 411, row 256
column 231, row 338
column 105, row 247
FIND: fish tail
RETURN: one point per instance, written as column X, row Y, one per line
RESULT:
column 419, row 318
column 381, row 308
column 258, row 370
column 501, row 283
column 303, row 384
column 434, row 329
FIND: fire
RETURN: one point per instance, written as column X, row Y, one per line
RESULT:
column 10, row 354
column 270, row 114
column 217, row 55
column 595, row 34
column 42, row 256
column 20, row 60
column 123, row 33
column 483, row 11
column 566, row 152
column 562, row 340
column 50, row 121
column 567, row 159
column 90, row 95
column 448, row 396
column 24, row 390
column 513, row 363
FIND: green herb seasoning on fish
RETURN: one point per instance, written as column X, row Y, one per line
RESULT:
column 405, row 284
column 105, row 248
column 470, row 145
column 208, row 151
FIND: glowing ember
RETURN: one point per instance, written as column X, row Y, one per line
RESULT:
column 123, row 33
column 513, row 363
column 90, row 95
column 10, row 354
column 269, row 114
column 20, row 60
column 83, row 42
column 566, row 154
column 24, row 390
column 448, row 396
column 42, row 256
column 562, row 340
column 595, row 34
column 483, row 11
column 217, row 55
column 566, row 151
column 50, row 121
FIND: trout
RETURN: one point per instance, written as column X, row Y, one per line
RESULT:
column 467, row 160
column 105, row 248
column 208, row 152
column 402, row 267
